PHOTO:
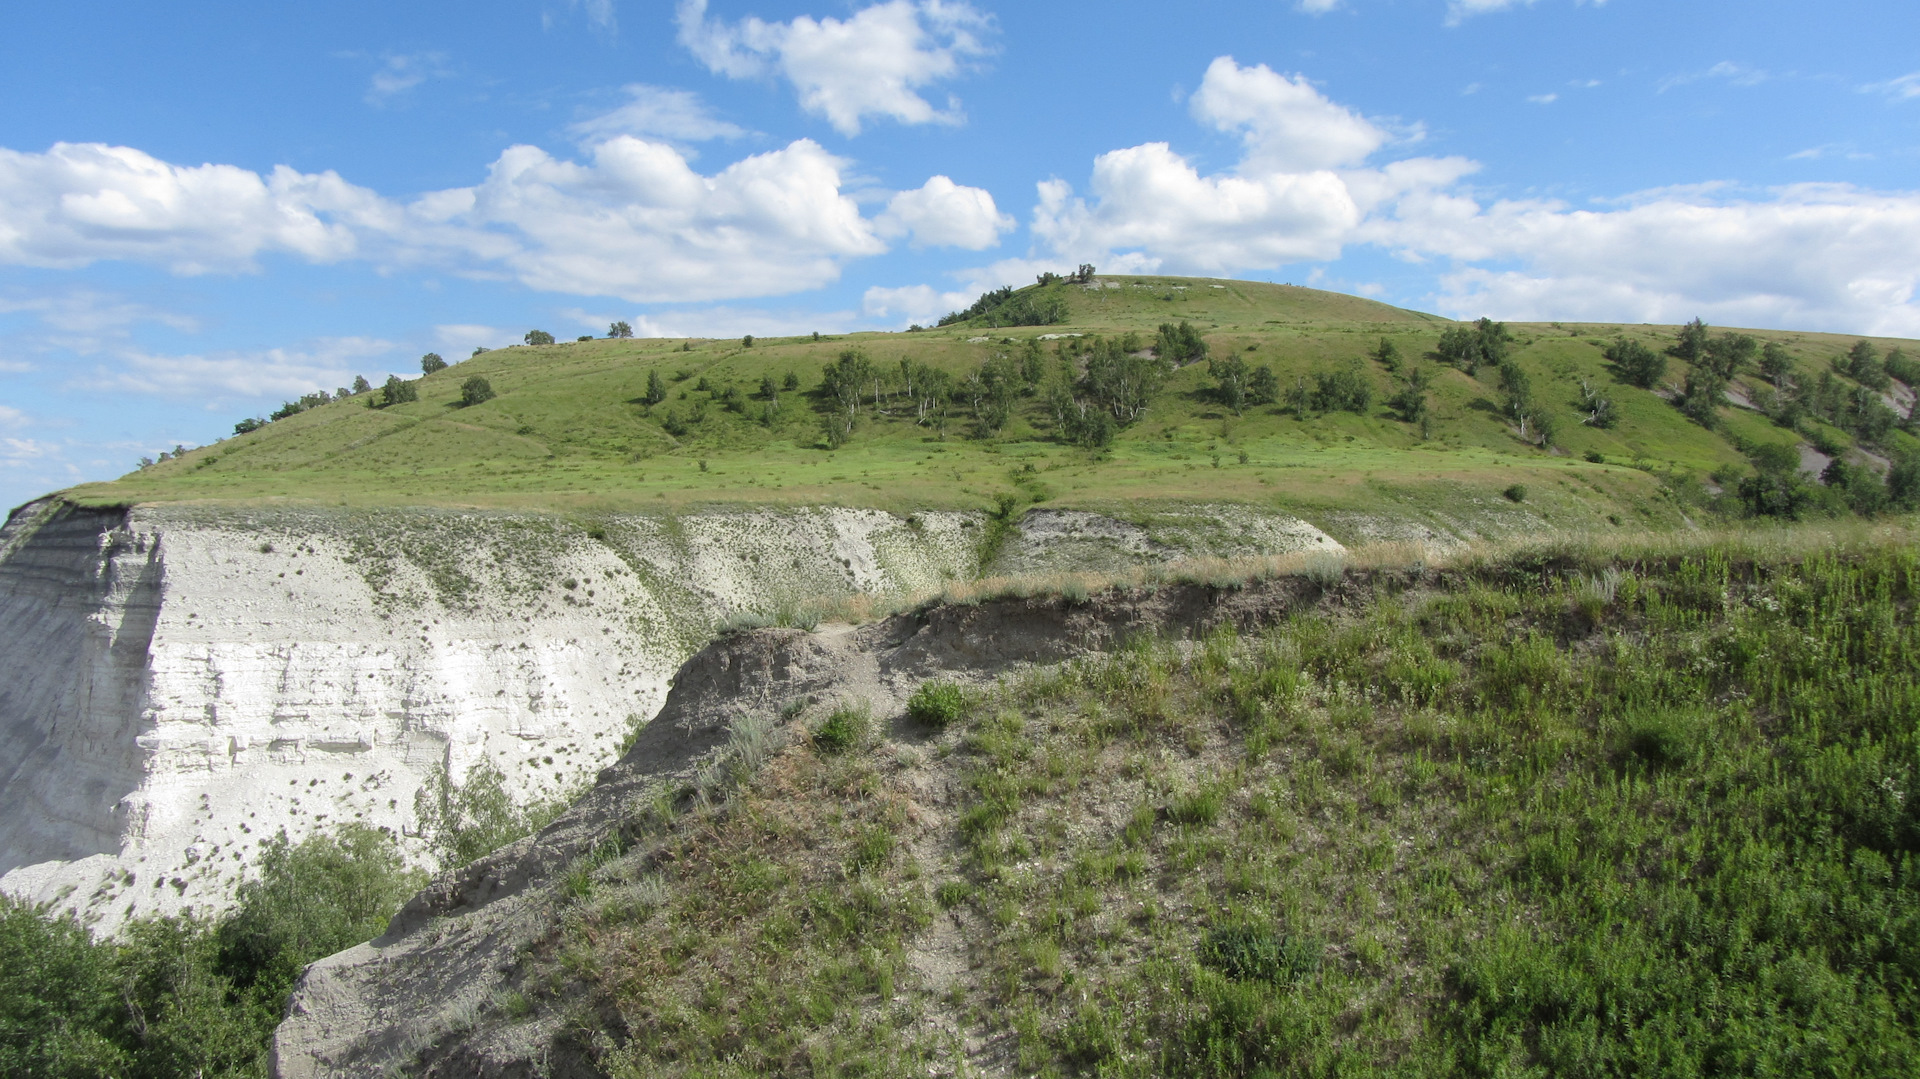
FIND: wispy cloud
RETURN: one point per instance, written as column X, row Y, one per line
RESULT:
column 325, row 364
column 674, row 115
column 398, row 74
column 1726, row 70
column 1904, row 88
column 1544, row 99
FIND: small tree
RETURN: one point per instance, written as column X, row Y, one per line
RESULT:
column 474, row 391
column 1729, row 354
column 620, row 330
column 1701, row 399
column 1386, row 355
column 1690, row 344
column 656, row 388
column 1179, row 345
column 1776, row 364
column 1410, row 402
column 538, row 337
column 1230, row 381
column 1459, row 347
column 1599, row 409
column 791, row 382
column 1262, row 387
column 1636, row 363
column 361, row 385
column 1494, row 342
column 432, row 362
column 747, row 341
column 398, row 391
column 1863, row 366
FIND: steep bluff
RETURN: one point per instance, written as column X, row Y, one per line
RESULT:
column 179, row 684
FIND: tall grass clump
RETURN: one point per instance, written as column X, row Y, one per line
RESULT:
column 937, row 704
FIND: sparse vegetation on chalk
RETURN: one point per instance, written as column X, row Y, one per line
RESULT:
column 1564, row 809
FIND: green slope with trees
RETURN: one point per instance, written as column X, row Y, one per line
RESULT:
column 1130, row 389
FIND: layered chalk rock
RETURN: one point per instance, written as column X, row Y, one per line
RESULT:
column 180, row 684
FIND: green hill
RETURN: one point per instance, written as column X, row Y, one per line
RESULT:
column 569, row 428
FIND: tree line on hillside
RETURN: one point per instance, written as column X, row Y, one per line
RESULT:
column 395, row 391
column 1004, row 307
column 1091, row 387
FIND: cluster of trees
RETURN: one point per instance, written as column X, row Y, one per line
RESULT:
column 1343, row 388
column 620, row 331
column 1777, row 487
column 1521, row 405
column 395, row 391
column 190, row 996
column 1484, row 344
column 1104, row 385
column 538, row 337
column 1847, row 396
column 303, row 403
column 1179, row 345
column 1236, row 386
column 1081, row 276
column 1093, row 388
column 1004, row 307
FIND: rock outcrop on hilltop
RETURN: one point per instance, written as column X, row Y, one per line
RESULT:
column 178, row 684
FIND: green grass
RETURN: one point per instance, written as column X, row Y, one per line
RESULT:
column 568, row 431
column 1559, row 811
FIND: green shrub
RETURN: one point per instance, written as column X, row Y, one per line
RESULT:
column 475, row 390
column 841, row 731
column 1515, row 493
column 936, row 704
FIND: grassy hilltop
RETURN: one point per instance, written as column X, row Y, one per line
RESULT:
column 570, row 429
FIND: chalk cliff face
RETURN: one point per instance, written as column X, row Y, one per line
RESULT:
column 178, row 685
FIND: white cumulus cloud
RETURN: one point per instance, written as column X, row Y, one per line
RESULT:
column 911, row 303
column 872, row 64
column 639, row 223
column 1298, row 193
column 81, row 202
column 1287, row 125
column 1812, row 256
column 633, row 220
column 941, row 213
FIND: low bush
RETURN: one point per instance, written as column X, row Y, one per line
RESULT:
column 842, row 730
column 937, row 704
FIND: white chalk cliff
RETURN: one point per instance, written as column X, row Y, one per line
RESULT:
column 179, row 684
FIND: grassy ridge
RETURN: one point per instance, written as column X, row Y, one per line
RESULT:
column 570, row 430
column 1557, row 813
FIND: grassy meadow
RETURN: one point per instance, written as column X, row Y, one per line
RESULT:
column 570, row 428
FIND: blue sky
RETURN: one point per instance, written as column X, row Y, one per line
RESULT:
column 203, row 214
